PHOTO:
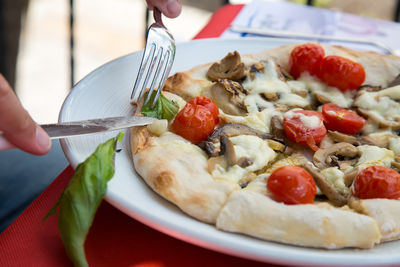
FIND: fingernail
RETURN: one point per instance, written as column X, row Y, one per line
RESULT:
column 173, row 7
column 42, row 139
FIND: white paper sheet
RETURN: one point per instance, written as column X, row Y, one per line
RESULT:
column 279, row 15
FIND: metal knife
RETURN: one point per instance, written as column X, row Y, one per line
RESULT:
column 77, row 128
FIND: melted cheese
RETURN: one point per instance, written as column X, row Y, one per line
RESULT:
column 370, row 127
column 254, row 103
column 311, row 122
column 332, row 94
column 336, row 178
column 394, row 145
column 373, row 155
column 380, row 107
column 260, row 120
column 248, row 146
column 269, row 82
column 158, row 127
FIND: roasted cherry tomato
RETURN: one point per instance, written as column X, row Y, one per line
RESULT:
column 207, row 103
column 342, row 73
column 292, row 185
column 341, row 119
column 194, row 123
column 300, row 132
column 377, row 182
column 305, row 57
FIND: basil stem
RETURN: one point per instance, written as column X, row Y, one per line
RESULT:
column 163, row 108
column 83, row 195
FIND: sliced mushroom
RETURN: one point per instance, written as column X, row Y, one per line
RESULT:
column 338, row 137
column 256, row 68
column 281, row 108
column 235, row 129
column 249, row 177
column 270, row 96
column 211, row 149
column 302, row 93
column 244, row 162
column 228, row 95
column 230, row 68
column 395, row 82
column 349, row 177
column 369, row 88
column 381, row 141
column 277, row 127
column 228, row 150
column 330, row 156
column 277, row 146
column 326, row 188
column 321, row 99
column 283, row 74
column 395, row 165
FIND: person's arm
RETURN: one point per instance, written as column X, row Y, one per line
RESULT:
column 17, row 127
column 170, row 8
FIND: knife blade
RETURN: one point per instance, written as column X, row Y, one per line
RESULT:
column 77, row 128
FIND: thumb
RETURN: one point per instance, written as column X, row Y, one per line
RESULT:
column 170, row 8
column 17, row 127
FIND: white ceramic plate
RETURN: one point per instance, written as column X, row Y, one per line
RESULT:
column 105, row 92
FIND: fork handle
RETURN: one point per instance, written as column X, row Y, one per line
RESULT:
column 157, row 16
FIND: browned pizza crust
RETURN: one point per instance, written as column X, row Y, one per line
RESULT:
column 307, row 225
column 385, row 212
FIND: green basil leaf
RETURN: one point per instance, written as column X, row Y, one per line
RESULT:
column 163, row 108
column 82, row 197
column 169, row 108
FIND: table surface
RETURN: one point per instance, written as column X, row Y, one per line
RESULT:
column 115, row 239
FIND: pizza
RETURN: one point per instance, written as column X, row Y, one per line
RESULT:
column 298, row 144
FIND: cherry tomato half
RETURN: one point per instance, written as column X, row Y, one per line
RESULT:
column 194, row 123
column 305, row 57
column 343, row 120
column 377, row 182
column 292, row 185
column 207, row 103
column 342, row 73
column 300, row 133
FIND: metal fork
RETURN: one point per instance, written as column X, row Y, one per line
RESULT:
column 157, row 60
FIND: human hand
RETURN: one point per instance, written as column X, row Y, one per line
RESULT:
column 18, row 128
column 170, row 8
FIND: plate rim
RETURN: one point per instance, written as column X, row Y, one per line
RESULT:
column 145, row 217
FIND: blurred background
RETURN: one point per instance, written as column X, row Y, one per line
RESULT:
column 104, row 30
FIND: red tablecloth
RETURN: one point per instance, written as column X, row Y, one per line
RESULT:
column 114, row 239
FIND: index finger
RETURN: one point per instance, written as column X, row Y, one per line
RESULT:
column 17, row 125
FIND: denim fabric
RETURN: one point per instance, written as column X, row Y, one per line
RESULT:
column 23, row 177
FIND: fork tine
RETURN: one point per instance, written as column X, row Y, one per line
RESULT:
column 149, row 73
column 156, row 74
column 167, row 65
column 145, row 60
